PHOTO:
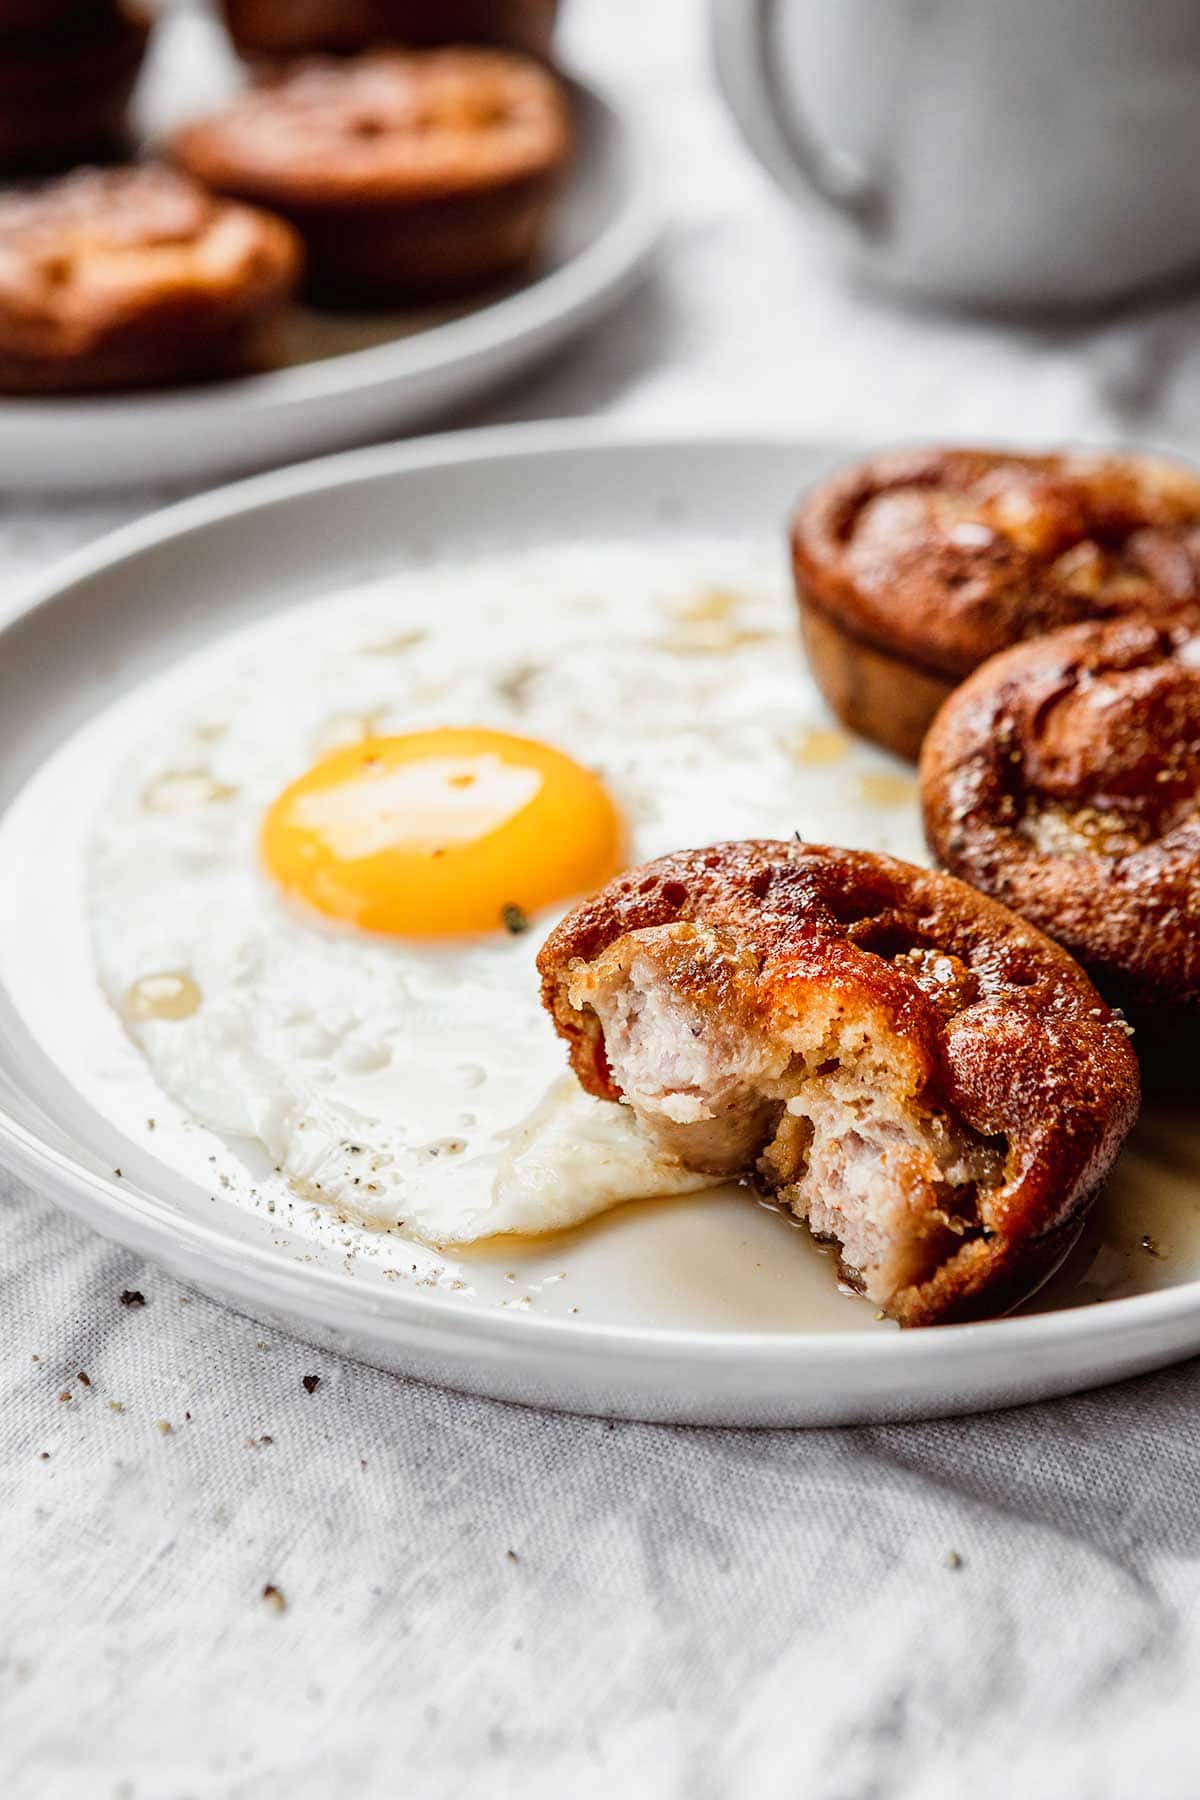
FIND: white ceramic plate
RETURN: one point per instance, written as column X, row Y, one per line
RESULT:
column 342, row 377
column 707, row 1309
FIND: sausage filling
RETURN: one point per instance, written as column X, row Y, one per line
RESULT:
column 825, row 1110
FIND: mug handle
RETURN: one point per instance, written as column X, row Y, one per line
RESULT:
column 743, row 35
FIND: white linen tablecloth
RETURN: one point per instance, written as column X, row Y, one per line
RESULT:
column 479, row 1600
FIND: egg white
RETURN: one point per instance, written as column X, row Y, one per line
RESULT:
column 419, row 1085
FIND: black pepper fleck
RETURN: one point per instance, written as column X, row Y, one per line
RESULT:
column 132, row 1297
column 515, row 919
column 310, row 1383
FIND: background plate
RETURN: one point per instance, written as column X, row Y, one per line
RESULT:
column 342, row 377
column 129, row 607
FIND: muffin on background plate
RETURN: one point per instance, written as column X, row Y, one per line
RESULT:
column 410, row 175
column 65, row 86
column 272, row 28
column 914, row 566
column 135, row 277
column 41, row 17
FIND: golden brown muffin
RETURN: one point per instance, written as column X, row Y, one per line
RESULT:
column 1064, row 778
column 913, row 567
column 917, row 1073
column 64, row 91
column 409, row 174
column 274, row 28
column 114, row 278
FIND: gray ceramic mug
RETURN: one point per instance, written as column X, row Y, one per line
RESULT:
column 997, row 153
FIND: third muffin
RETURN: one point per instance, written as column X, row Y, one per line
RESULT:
column 134, row 277
column 1063, row 778
column 914, row 566
column 303, row 27
column 65, row 86
column 409, row 174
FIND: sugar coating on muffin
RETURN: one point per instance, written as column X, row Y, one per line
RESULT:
column 304, row 27
column 66, row 79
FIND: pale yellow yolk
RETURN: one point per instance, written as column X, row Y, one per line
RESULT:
column 441, row 832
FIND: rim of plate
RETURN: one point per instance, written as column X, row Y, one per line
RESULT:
column 617, row 251
column 256, row 1274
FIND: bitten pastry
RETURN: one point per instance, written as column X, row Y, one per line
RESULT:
column 917, row 1073
column 409, row 174
column 915, row 566
column 119, row 278
column 1064, row 778
column 274, row 28
column 65, row 87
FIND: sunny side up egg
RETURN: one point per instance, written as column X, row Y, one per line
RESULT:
column 444, row 832
column 345, row 974
column 307, row 891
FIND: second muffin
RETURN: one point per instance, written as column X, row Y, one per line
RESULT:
column 410, row 175
column 65, row 85
column 915, row 566
column 134, row 277
column 305, row 27
column 1064, row 779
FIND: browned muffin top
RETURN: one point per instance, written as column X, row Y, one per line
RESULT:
column 82, row 256
column 389, row 125
column 912, row 1068
column 948, row 556
column 1064, row 778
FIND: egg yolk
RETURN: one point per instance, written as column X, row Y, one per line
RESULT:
column 441, row 832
